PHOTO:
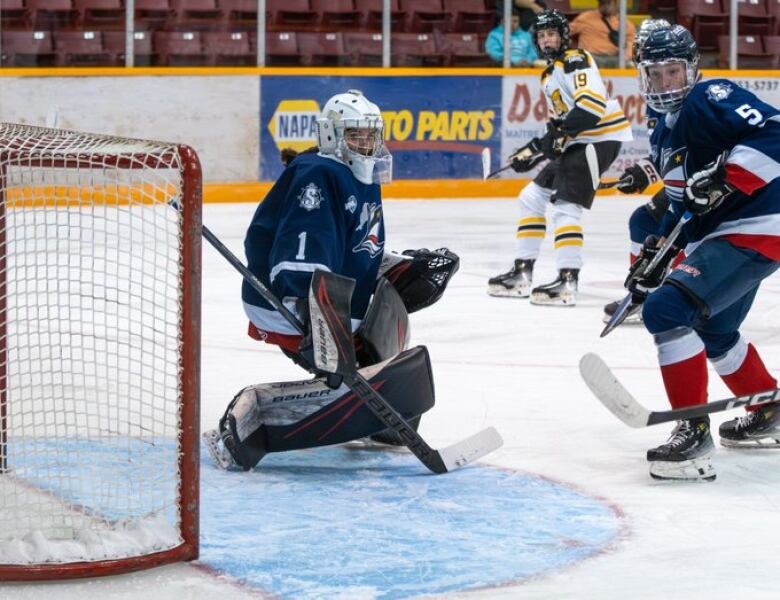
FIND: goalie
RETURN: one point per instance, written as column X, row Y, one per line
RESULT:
column 325, row 213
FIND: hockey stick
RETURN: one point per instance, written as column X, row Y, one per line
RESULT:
column 626, row 304
column 442, row 461
column 612, row 394
column 334, row 352
column 485, row 156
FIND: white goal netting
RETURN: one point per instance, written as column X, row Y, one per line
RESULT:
column 99, row 284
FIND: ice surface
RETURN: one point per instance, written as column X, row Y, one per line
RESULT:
column 505, row 363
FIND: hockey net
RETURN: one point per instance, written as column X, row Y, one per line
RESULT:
column 99, row 353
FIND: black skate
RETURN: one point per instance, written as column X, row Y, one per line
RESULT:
column 561, row 292
column 515, row 283
column 634, row 313
column 758, row 429
column 687, row 454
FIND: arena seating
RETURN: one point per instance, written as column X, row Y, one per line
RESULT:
column 754, row 17
column 14, row 15
column 80, row 49
column 464, row 50
column 415, row 50
column 27, row 48
column 751, row 53
column 470, row 16
column 143, row 53
column 281, row 48
column 100, row 14
column 228, row 48
column 371, row 15
column 52, row 14
column 241, row 14
column 322, row 48
column 425, row 15
column 336, row 14
column 364, row 48
column 706, row 19
column 289, row 14
column 180, row 48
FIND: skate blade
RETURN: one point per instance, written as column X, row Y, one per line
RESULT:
column 634, row 319
column 499, row 291
column 697, row 469
column 562, row 300
column 767, row 442
column 221, row 456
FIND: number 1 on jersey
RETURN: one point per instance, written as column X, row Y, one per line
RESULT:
column 301, row 246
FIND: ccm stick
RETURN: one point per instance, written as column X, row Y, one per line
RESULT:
column 619, row 401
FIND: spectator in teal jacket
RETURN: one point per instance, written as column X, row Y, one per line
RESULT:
column 523, row 53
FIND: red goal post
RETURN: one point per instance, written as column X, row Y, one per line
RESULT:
column 100, row 269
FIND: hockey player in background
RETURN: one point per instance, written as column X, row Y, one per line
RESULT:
column 646, row 219
column 325, row 213
column 583, row 137
column 718, row 150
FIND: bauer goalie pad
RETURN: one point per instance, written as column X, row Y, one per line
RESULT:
column 420, row 276
column 384, row 331
column 276, row 417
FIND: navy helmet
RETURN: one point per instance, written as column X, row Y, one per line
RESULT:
column 551, row 19
column 647, row 27
column 668, row 68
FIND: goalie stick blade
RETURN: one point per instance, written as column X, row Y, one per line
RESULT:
column 485, row 163
column 472, row 448
column 611, row 393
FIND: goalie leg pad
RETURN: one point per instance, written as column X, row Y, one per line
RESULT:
column 384, row 331
column 277, row 417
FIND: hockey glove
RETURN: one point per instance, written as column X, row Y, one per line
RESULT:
column 638, row 177
column 707, row 188
column 526, row 158
column 639, row 282
column 553, row 141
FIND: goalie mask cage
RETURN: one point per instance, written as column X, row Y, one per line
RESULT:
column 99, row 353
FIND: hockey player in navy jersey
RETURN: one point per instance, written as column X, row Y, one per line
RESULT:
column 718, row 150
column 583, row 138
column 325, row 213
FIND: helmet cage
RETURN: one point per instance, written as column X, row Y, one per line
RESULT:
column 666, row 101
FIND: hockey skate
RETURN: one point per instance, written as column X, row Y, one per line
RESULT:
column 515, row 283
column 634, row 313
column 686, row 455
column 758, row 429
column 561, row 292
column 218, row 451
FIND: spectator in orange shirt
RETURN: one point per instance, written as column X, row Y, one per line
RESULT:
column 597, row 31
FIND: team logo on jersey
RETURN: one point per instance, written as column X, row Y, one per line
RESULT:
column 351, row 204
column 310, row 197
column 371, row 219
column 719, row 91
column 651, row 123
column 558, row 104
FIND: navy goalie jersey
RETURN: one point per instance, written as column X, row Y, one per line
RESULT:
column 316, row 216
column 717, row 116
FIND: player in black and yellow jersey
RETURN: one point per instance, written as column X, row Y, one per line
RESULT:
column 583, row 137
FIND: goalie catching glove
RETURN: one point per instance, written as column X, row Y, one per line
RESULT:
column 420, row 276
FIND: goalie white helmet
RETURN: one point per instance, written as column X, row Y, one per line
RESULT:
column 350, row 129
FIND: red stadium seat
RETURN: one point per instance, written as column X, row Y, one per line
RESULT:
column 281, row 48
column 241, row 14
column 563, row 6
column 773, row 9
column 750, row 53
column 196, row 15
column 772, row 47
column 80, row 48
column 229, row 48
column 415, row 49
column 52, row 14
column 425, row 15
column 371, row 15
column 101, row 13
column 336, row 14
column 754, row 17
column 290, row 14
column 143, row 54
column 364, row 48
column 27, row 49
column 153, row 14
column 706, row 20
column 323, row 48
column 464, row 50
column 180, row 48
column 471, row 16
column 14, row 15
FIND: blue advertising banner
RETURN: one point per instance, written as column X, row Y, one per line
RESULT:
column 435, row 127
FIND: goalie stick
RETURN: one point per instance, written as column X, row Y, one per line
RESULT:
column 330, row 292
column 619, row 401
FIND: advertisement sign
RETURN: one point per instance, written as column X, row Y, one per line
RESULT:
column 435, row 127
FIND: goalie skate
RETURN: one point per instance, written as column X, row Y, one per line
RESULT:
column 219, row 453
